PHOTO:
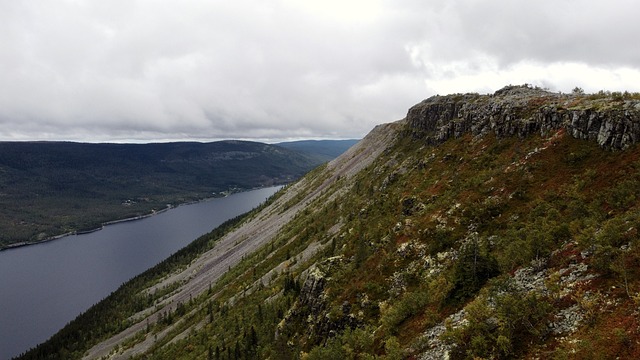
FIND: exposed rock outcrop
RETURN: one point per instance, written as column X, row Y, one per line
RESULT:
column 526, row 280
column 311, row 311
column 522, row 110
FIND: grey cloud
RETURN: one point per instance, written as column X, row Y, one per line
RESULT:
column 149, row 70
column 565, row 30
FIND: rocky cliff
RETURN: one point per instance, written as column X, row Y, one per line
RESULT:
column 611, row 120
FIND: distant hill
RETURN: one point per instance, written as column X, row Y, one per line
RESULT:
column 53, row 188
column 323, row 150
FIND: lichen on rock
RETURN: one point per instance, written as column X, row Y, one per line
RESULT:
column 522, row 111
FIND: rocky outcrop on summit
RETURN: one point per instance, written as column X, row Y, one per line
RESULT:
column 613, row 120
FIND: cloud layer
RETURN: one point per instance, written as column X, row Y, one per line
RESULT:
column 278, row 69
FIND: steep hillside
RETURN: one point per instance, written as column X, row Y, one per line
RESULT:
column 481, row 226
column 52, row 188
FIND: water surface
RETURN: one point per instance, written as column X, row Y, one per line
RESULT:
column 44, row 286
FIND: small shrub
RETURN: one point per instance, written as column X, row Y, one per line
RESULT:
column 499, row 324
column 472, row 270
column 411, row 304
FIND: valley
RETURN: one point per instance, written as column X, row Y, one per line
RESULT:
column 50, row 189
column 480, row 226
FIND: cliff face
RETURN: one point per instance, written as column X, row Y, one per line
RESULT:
column 521, row 111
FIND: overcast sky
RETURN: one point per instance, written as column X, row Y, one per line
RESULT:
column 270, row 70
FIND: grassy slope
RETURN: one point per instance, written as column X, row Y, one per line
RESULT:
column 419, row 234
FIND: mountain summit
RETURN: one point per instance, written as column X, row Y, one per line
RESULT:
column 480, row 226
column 612, row 120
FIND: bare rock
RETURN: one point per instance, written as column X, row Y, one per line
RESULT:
column 524, row 110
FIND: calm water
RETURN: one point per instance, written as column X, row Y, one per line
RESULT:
column 43, row 287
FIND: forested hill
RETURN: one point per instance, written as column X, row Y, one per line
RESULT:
column 324, row 150
column 52, row 188
column 495, row 226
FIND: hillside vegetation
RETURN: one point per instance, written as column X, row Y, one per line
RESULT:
column 481, row 226
column 53, row 188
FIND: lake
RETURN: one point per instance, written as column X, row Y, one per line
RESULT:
column 44, row 286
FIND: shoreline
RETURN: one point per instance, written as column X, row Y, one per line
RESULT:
column 83, row 232
column 134, row 218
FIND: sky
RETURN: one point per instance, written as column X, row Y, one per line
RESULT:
column 277, row 70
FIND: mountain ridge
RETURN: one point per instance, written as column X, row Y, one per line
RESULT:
column 449, row 234
column 610, row 120
column 326, row 150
